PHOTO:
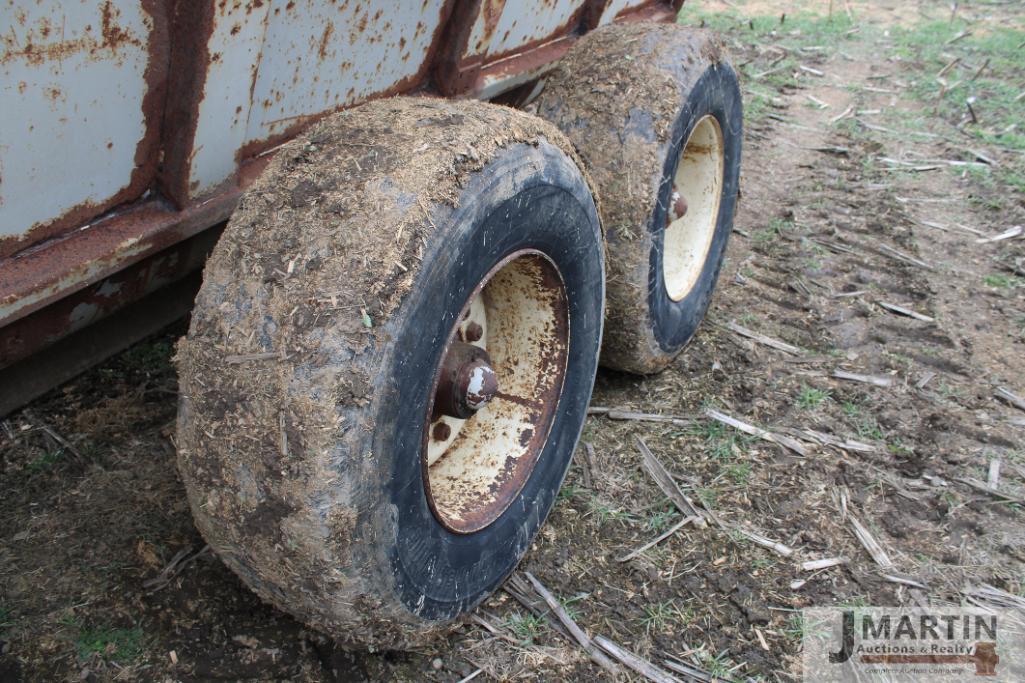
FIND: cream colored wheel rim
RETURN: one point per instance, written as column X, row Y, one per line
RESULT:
column 474, row 468
column 693, row 208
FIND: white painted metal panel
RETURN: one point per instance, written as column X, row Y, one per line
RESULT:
column 72, row 89
column 615, row 7
column 319, row 56
column 520, row 23
column 234, row 48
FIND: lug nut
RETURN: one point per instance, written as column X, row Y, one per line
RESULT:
column 441, row 432
column 474, row 332
column 679, row 206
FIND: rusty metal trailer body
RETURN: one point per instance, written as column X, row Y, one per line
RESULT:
column 129, row 128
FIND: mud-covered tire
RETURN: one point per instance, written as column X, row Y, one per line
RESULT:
column 309, row 364
column 629, row 97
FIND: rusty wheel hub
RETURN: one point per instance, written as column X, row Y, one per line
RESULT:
column 496, row 391
column 467, row 381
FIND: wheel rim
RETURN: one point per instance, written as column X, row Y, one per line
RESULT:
column 516, row 324
column 693, row 208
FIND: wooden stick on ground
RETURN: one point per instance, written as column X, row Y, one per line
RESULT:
column 993, row 478
column 900, row 310
column 982, row 487
column 689, row 670
column 864, row 379
column 578, row 633
column 778, row 439
column 905, row 580
column 585, row 459
column 824, row 563
column 762, row 339
column 765, row 542
column 1005, row 235
column 64, row 443
column 1005, row 394
column 652, row 543
column 615, row 414
column 870, row 543
column 472, row 676
column 641, row 666
column 517, row 587
column 900, row 256
column 668, row 485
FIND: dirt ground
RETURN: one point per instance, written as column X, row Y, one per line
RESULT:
column 884, row 144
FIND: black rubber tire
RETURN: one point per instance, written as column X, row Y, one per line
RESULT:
column 628, row 96
column 301, row 415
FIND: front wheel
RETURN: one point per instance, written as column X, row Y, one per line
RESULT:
column 389, row 364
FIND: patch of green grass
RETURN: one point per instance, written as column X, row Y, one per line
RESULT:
column 569, row 604
column 949, row 391
column 756, row 108
column 773, row 231
column 663, row 616
column 810, row 398
column 977, row 93
column 720, row 442
column 5, row 619
column 719, row 666
column 603, row 512
column 1003, row 281
column 897, row 447
column 870, row 429
column 799, row 29
column 660, row 520
column 46, row 460
column 739, row 472
column 951, row 499
column 708, row 495
column 568, row 491
column 794, row 626
column 745, row 319
column 527, row 627
column 865, row 424
column 122, row 645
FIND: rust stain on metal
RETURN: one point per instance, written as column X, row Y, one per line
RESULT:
column 491, row 11
column 567, row 30
column 462, row 73
column 41, row 275
column 36, row 52
column 46, row 326
column 256, row 147
column 146, row 150
column 655, row 10
column 193, row 24
column 325, row 39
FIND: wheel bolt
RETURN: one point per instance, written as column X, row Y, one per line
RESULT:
column 474, row 332
column 679, row 206
column 441, row 432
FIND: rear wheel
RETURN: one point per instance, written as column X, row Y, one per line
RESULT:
column 389, row 364
column 655, row 112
